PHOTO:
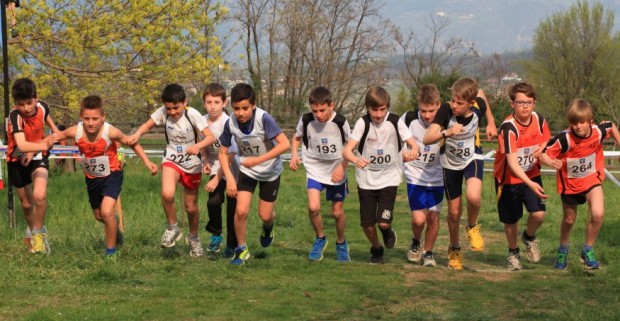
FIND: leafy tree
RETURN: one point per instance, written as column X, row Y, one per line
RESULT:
column 125, row 51
column 576, row 56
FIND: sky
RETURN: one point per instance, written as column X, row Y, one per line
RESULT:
column 495, row 26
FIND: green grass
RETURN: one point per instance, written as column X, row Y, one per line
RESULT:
column 147, row 283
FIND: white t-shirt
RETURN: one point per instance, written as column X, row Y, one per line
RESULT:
column 181, row 134
column 426, row 170
column 381, row 148
column 212, row 150
column 324, row 151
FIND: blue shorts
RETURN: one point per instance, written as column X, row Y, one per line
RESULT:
column 100, row 187
column 424, row 197
column 335, row 193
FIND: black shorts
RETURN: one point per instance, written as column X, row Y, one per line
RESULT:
column 512, row 197
column 576, row 199
column 453, row 179
column 100, row 187
column 376, row 205
column 21, row 176
column 268, row 190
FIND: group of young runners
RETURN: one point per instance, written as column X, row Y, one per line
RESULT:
column 436, row 147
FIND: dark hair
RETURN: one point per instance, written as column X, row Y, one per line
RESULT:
column 92, row 102
column 24, row 88
column 242, row 92
column 377, row 96
column 524, row 88
column 214, row 90
column 320, row 95
column 173, row 93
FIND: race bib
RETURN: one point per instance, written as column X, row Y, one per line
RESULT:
column 380, row 158
column 178, row 155
column 96, row 166
column 251, row 146
column 428, row 158
column 327, row 148
column 581, row 167
column 525, row 157
column 460, row 151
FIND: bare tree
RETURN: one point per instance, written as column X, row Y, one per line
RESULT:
column 426, row 57
column 333, row 43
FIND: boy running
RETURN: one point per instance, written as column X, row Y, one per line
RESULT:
column 522, row 137
column 378, row 137
column 96, row 140
column 214, row 98
column 323, row 133
column 27, row 158
column 456, row 126
column 424, row 178
column 577, row 155
column 260, row 142
column 182, row 163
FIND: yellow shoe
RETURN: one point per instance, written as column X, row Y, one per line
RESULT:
column 455, row 259
column 476, row 242
column 39, row 244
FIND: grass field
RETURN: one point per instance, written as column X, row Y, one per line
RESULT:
column 279, row 283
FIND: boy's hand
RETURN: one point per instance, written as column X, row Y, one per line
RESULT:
column 132, row 139
column 361, row 162
column 338, row 174
column 454, row 130
column 212, row 184
column 26, row 158
column 410, row 155
column 192, row 150
column 50, row 140
column 557, row 164
column 231, row 187
column 152, row 167
column 249, row 162
column 538, row 190
column 295, row 161
column 491, row 132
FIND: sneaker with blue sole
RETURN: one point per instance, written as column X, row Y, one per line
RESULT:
column 214, row 245
column 561, row 259
column 316, row 254
column 266, row 236
column 241, row 255
column 342, row 252
column 589, row 260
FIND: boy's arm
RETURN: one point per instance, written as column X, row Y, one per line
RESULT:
column 28, row 147
column 231, row 183
column 348, row 154
column 117, row 135
column 491, row 129
column 412, row 152
column 553, row 163
column 518, row 172
column 615, row 134
column 143, row 129
column 295, row 161
column 208, row 139
column 282, row 146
